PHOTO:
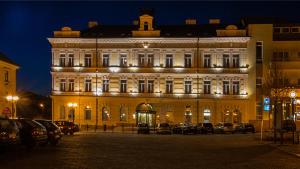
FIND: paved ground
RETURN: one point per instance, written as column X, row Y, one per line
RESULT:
column 130, row 151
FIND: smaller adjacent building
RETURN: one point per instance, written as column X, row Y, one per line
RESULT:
column 8, row 95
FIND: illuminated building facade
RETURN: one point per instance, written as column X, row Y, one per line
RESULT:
column 144, row 73
column 8, row 83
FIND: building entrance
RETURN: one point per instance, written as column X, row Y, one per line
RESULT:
column 145, row 114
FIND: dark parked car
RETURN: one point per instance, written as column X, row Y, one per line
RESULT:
column 32, row 133
column 67, row 127
column 164, row 128
column 9, row 132
column 244, row 128
column 289, row 125
column 205, row 128
column 177, row 129
column 53, row 131
column 143, row 128
column 224, row 128
column 189, row 129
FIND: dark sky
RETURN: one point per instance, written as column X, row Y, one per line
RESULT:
column 24, row 26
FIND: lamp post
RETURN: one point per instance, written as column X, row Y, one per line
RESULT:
column 13, row 100
column 72, row 106
column 293, row 96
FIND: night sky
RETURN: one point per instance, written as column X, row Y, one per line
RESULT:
column 26, row 25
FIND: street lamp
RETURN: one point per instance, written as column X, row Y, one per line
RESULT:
column 13, row 100
column 42, row 107
column 293, row 96
column 72, row 106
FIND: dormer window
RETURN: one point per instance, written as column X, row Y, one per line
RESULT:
column 145, row 26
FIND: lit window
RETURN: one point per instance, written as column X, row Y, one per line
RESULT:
column 236, row 61
column 206, row 87
column 123, row 114
column 123, row 86
column 87, row 114
column 142, row 60
column 123, row 60
column 188, row 87
column 226, row 61
column 71, row 85
column 88, row 60
column 62, row 60
column 236, row 87
column 150, row 60
column 71, row 60
column 225, row 87
column 150, row 86
column 169, row 86
column 187, row 60
column 88, row 85
column 207, row 63
column 141, row 86
column 105, row 87
column 62, row 85
column 105, row 61
column 169, row 61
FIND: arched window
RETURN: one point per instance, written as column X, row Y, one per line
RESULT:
column 105, row 114
column 227, row 116
column 236, row 116
column 146, row 26
column 123, row 113
column 188, row 115
column 206, row 115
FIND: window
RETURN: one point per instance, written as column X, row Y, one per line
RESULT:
column 259, row 52
column 285, row 30
column 141, row 86
column 236, row 61
column 188, row 115
column 276, row 30
column 169, row 61
column 207, row 61
column 105, row 61
column 142, row 60
column 226, row 61
column 123, row 114
column 236, row 87
column 150, row 86
column 225, row 87
column 105, row 114
column 71, row 85
column 62, row 85
column 206, row 87
column 62, row 60
column 87, row 114
column 123, row 88
column 146, row 26
column 71, row 60
column 150, row 60
column 187, row 60
column 169, row 86
column 188, row 87
column 295, row 30
column 206, row 115
column 123, row 60
column 259, row 82
column 62, row 112
column 88, row 85
column 5, row 76
column 88, row 60
column 105, row 87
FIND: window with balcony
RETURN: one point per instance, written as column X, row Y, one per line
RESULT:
column 236, row 87
column 88, row 60
column 207, row 59
column 123, row 86
column 150, row 86
column 88, row 85
column 71, row 60
column 142, row 60
column 226, row 62
column 62, row 60
column 71, row 85
column 87, row 114
column 5, row 76
column 169, row 61
column 207, row 87
column 187, row 60
column 225, row 87
column 123, row 60
column 169, row 86
column 62, row 85
column 150, row 60
column 259, row 52
column 105, row 86
column 141, row 86
column 105, row 60
column 236, row 61
column 188, row 87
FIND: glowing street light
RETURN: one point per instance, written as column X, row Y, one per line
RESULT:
column 13, row 100
column 293, row 95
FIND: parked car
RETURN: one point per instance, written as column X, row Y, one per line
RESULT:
column 224, row 128
column 53, row 131
column 32, row 132
column 189, row 129
column 164, row 128
column 205, row 128
column 244, row 128
column 9, row 132
column 178, row 128
column 143, row 128
column 289, row 125
column 67, row 127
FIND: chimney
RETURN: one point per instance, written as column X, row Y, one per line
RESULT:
column 92, row 24
column 214, row 21
column 135, row 22
column 190, row 21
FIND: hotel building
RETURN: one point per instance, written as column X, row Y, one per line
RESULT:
column 148, row 73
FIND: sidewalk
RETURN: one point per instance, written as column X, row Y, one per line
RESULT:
column 293, row 149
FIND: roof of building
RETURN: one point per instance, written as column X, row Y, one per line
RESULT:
column 118, row 31
column 262, row 20
column 6, row 59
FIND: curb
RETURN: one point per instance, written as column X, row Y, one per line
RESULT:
column 278, row 147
